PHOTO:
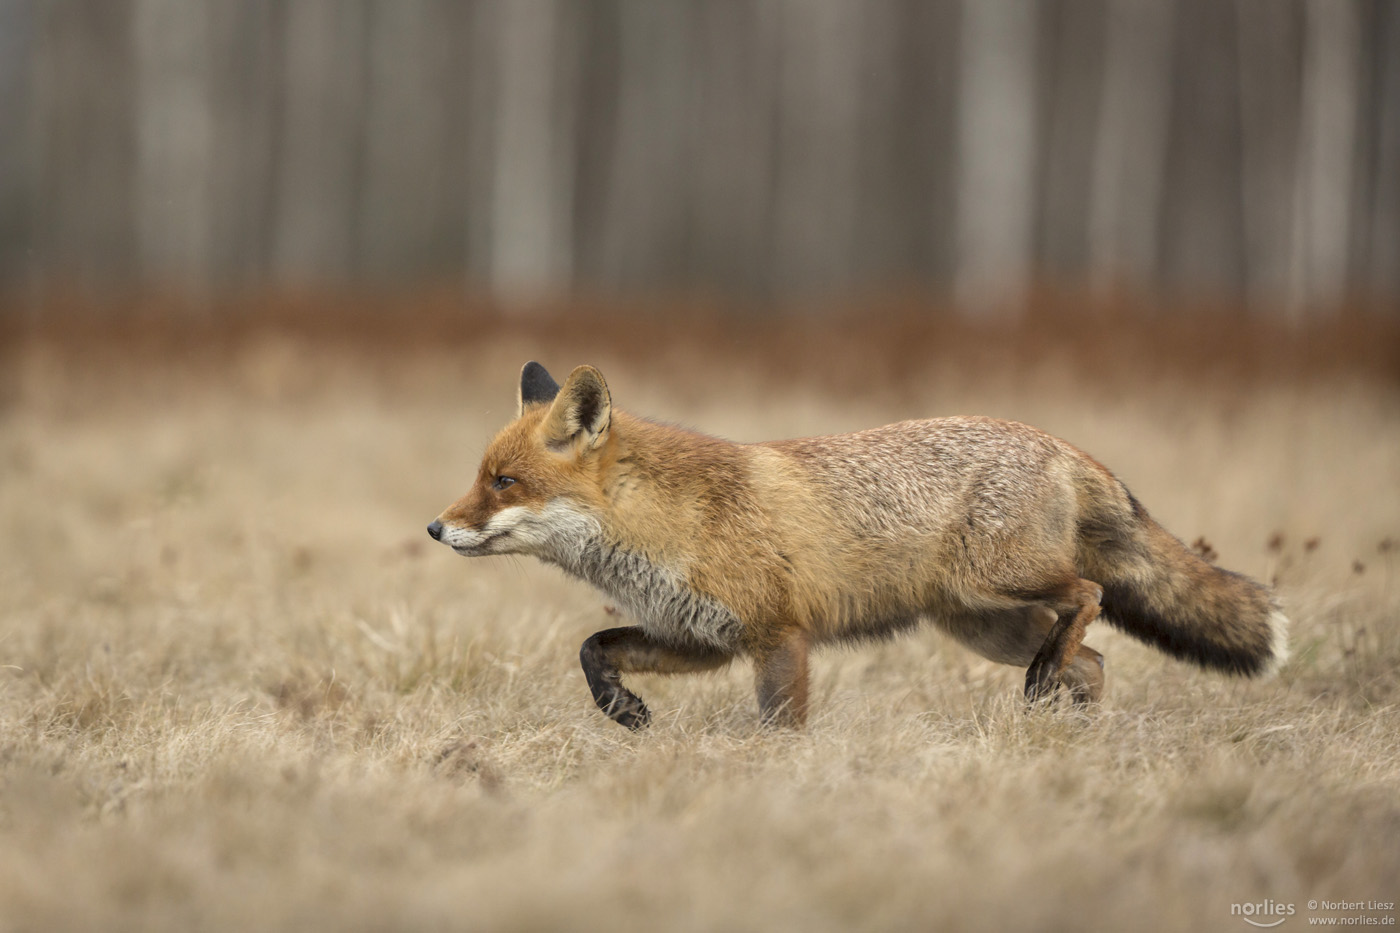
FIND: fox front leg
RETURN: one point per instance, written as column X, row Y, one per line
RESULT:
column 613, row 652
column 780, row 677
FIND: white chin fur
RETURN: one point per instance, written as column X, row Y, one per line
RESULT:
column 489, row 538
column 556, row 528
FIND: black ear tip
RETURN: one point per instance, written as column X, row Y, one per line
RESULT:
column 533, row 372
column 536, row 384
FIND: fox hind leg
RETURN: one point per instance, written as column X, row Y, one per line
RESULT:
column 609, row 654
column 1060, row 659
column 1083, row 676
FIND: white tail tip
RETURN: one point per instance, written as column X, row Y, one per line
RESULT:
column 1278, row 641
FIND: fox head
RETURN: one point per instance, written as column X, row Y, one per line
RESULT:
column 539, row 485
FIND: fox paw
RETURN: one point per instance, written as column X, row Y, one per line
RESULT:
column 629, row 710
column 1042, row 679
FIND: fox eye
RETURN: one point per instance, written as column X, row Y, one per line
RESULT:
column 503, row 481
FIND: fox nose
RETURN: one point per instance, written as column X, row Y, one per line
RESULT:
column 435, row 531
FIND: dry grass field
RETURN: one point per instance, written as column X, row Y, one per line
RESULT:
column 240, row 689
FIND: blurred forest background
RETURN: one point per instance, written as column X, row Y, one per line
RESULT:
column 777, row 152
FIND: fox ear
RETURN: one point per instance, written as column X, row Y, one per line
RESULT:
column 582, row 411
column 536, row 386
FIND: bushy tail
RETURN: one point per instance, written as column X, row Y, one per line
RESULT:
column 1160, row 592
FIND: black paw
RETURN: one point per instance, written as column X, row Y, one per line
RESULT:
column 629, row 710
column 1041, row 682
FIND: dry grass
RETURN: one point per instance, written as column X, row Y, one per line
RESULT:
column 238, row 689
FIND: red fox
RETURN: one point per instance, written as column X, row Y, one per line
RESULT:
column 1009, row 539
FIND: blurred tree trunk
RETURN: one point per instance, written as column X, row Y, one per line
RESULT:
column 17, row 25
column 905, row 129
column 410, row 222
column 1072, row 78
column 1130, row 146
column 85, row 216
column 532, row 191
column 736, row 76
column 931, row 44
column 996, row 154
column 1326, row 154
column 886, row 202
column 643, row 211
column 321, row 137
column 1270, row 36
column 246, row 61
column 1382, row 277
column 174, row 133
column 817, row 154
column 1202, row 222
column 479, row 131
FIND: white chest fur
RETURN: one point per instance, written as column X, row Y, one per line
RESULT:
column 656, row 597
